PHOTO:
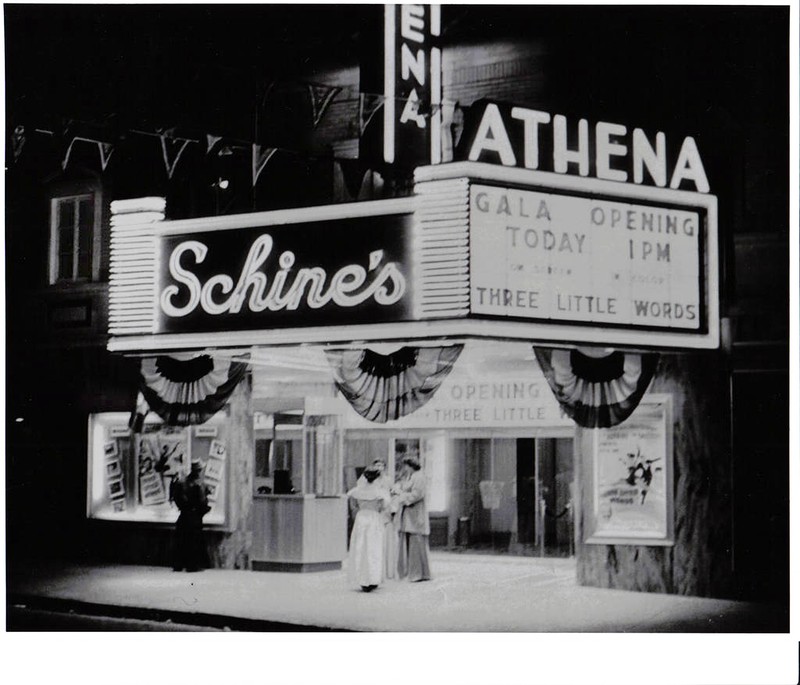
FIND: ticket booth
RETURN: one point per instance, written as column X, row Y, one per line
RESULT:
column 299, row 511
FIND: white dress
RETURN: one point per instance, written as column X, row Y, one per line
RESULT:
column 366, row 556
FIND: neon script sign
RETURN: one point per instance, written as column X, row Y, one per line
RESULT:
column 288, row 288
column 293, row 275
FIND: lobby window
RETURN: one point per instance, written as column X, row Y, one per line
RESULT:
column 130, row 475
column 74, row 229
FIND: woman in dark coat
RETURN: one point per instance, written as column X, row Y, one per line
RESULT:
column 414, row 524
column 189, row 495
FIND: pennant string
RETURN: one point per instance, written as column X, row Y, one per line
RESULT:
column 173, row 147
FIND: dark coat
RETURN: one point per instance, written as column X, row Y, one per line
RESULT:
column 414, row 513
column 190, row 497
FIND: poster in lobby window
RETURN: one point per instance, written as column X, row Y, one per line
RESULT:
column 129, row 474
column 632, row 483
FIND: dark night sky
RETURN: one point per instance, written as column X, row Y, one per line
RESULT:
column 148, row 61
column 720, row 71
column 93, row 57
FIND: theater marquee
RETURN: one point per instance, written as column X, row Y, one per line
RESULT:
column 554, row 257
column 480, row 250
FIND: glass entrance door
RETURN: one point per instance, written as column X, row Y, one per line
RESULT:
column 517, row 495
column 553, row 493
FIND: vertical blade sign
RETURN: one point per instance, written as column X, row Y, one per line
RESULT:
column 413, row 86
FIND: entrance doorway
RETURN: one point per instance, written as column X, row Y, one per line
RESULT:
column 545, row 488
column 519, row 495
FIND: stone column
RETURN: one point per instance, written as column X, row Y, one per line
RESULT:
column 231, row 549
column 700, row 562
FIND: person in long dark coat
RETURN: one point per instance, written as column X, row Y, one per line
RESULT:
column 412, row 562
column 189, row 495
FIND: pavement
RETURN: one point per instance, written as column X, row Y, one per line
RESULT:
column 468, row 593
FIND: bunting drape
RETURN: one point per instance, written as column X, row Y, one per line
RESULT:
column 597, row 388
column 382, row 387
column 185, row 391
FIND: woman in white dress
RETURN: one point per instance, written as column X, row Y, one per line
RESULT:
column 390, row 521
column 366, row 563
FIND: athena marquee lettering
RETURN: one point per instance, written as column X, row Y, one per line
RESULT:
column 275, row 285
column 613, row 144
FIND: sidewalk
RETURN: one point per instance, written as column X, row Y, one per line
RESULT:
column 469, row 593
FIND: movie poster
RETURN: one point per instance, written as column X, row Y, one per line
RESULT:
column 632, row 465
column 172, row 459
column 152, row 491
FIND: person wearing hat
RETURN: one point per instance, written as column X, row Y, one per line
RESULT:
column 366, row 556
column 189, row 495
column 412, row 561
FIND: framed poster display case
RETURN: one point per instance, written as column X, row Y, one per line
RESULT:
column 632, row 478
column 129, row 474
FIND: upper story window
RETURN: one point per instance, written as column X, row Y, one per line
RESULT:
column 74, row 235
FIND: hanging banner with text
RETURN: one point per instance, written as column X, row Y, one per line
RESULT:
column 564, row 258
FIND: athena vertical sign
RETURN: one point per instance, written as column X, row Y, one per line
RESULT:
column 412, row 85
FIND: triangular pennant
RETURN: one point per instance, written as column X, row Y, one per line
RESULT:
column 106, row 150
column 17, row 141
column 353, row 173
column 260, row 158
column 65, row 161
column 211, row 142
column 321, row 97
column 368, row 105
column 169, row 149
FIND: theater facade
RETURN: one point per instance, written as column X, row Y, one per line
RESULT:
column 534, row 298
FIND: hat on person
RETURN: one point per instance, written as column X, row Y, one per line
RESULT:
column 197, row 466
column 413, row 462
column 371, row 473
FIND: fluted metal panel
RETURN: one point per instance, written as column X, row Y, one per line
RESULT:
column 134, row 266
column 441, row 248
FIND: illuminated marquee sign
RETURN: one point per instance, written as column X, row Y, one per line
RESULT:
column 538, row 255
column 548, row 256
column 481, row 250
column 412, row 85
column 520, row 137
column 344, row 271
